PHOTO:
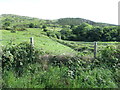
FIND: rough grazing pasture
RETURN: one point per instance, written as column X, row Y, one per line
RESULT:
column 40, row 41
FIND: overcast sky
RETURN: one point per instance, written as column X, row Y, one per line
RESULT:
column 96, row 10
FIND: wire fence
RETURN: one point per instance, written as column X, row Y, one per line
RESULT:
column 95, row 45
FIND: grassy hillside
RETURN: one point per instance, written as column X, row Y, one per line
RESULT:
column 16, row 19
column 40, row 41
column 78, row 21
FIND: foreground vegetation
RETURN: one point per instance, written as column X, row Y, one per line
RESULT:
column 59, row 71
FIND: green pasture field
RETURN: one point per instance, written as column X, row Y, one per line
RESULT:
column 40, row 41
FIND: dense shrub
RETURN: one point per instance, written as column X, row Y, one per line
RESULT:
column 20, row 29
column 51, row 34
column 111, row 56
column 19, row 56
column 13, row 31
column 8, row 28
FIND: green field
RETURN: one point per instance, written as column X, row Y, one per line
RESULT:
column 49, row 45
column 40, row 41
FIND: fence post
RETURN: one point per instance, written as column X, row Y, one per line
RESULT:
column 1, row 67
column 31, row 41
column 95, row 50
column 60, row 37
column 31, row 49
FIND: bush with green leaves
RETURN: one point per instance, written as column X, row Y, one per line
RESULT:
column 13, row 31
column 51, row 34
column 111, row 56
column 18, row 56
column 54, row 34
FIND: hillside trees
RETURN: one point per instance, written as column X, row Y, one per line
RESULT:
column 87, row 32
column 109, row 34
column 6, row 25
column 66, row 33
column 118, row 29
column 81, row 31
column 94, row 34
column 31, row 25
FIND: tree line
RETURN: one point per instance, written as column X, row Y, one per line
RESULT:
column 87, row 32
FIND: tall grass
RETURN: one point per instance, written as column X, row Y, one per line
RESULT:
column 60, row 77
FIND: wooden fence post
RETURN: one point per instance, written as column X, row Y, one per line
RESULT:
column 32, row 46
column 60, row 37
column 1, row 67
column 95, row 50
column 32, row 41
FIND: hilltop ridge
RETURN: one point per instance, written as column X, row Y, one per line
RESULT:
column 62, row 21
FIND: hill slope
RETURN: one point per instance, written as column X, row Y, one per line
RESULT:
column 78, row 21
column 62, row 21
column 40, row 41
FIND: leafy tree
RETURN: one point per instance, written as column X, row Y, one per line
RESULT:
column 94, row 34
column 31, row 25
column 44, row 27
column 65, row 33
column 6, row 25
column 45, row 30
column 51, row 34
column 106, row 34
column 81, row 31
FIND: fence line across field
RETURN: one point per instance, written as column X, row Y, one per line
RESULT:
column 79, row 43
column 94, row 44
column 12, row 38
column 105, row 43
